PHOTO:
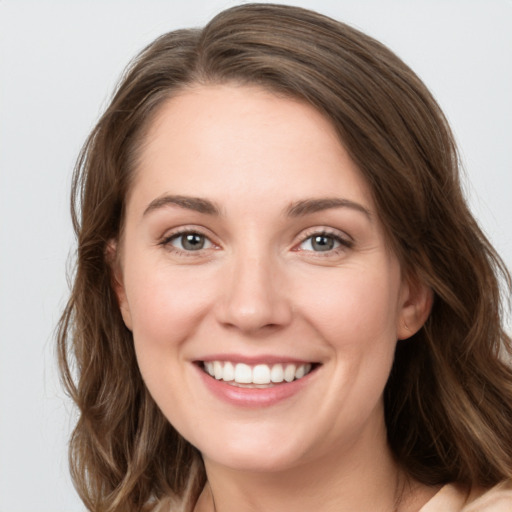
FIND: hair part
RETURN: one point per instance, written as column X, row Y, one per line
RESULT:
column 448, row 401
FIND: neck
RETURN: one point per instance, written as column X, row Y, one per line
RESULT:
column 363, row 477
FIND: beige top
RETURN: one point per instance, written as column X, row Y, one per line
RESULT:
column 450, row 498
column 453, row 498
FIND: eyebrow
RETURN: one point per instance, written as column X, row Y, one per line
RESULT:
column 296, row 209
column 309, row 206
column 189, row 203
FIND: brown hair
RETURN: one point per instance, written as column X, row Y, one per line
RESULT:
column 448, row 402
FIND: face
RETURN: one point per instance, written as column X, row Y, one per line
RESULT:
column 254, row 273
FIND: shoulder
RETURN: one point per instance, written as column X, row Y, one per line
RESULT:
column 454, row 498
column 496, row 499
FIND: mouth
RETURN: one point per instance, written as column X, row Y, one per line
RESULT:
column 258, row 375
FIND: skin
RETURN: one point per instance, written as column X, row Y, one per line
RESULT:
column 259, row 287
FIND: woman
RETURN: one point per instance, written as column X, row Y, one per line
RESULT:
column 281, row 298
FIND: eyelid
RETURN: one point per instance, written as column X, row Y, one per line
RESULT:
column 166, row 239
column 345, row 240
column 207, row 243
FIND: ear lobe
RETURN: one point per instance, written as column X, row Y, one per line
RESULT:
column 117, row 283
column 417, row 300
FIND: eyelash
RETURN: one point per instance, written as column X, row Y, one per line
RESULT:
column 343, row 242
column 166, row 242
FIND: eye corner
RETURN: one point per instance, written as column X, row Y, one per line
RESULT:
column 322, row 242
column 187, row 241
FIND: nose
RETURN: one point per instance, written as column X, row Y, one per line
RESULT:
column 254, row 298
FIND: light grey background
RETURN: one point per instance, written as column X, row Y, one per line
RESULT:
column 58, row 65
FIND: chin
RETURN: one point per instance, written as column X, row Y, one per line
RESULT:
column 253, row 462
column 254, row 453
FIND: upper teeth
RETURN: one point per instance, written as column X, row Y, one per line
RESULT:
column 258, row 374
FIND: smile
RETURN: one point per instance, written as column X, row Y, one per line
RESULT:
column 258, row 375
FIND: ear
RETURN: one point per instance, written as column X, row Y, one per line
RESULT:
column 113, row 260
column 416, row 304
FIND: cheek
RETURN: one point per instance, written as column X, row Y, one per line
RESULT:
column 166, row 307
column 352, row 305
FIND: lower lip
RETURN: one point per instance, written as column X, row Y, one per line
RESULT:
column 253, row 397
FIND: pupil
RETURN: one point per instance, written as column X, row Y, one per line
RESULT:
column 193, row 242
column 322, row 243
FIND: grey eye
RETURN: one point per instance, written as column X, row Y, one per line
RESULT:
column 190, row 242
column 320, row 243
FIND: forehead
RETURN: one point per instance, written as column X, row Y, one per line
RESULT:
column 246, row 141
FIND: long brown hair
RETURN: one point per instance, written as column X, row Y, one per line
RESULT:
column 448, row 402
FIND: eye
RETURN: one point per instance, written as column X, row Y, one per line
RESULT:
column 190, row 241
column 323, row 242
